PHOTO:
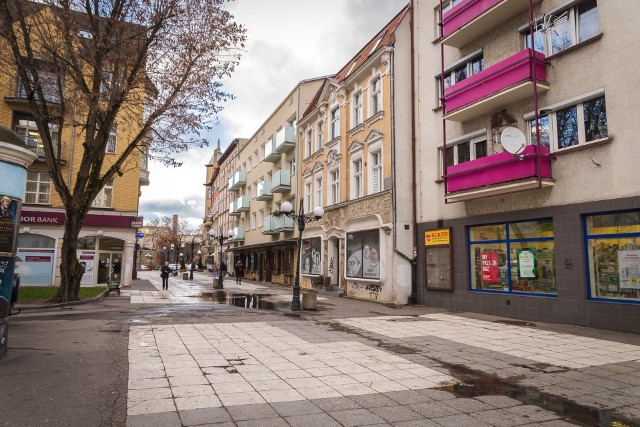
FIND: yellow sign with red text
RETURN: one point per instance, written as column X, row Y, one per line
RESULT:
column 437, row 237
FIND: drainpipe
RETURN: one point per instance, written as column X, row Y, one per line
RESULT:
column 412, row 297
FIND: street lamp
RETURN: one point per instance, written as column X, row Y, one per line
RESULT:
column 193, row 264
column 220, row 237
column 172, row 257
column 301, row 219
column 165, row 254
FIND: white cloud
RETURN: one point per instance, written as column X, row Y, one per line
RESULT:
column 288, row 41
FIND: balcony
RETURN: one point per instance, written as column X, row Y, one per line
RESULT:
column 144, row 177
column 498, row 174
column 285, row 140
column 238, row 235
column 238, row 180
column 472, row 18
column 242, row 204
column 506, row 82
column 36, row 145
column 270, row 155
column 285, row 223
column 281, row 181
column 233, row 209
column 270, row 225
column 264, row 191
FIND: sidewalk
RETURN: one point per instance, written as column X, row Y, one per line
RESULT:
column 360, row 363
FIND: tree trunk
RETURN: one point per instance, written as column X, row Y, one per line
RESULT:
column 70, row 270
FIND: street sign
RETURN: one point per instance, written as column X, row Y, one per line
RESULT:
column 139, row 235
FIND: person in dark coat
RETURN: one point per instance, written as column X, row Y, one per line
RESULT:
column 239, row 272
column 223, row 269
column 165, row 270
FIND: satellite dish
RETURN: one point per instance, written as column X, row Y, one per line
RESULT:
column 513, row 140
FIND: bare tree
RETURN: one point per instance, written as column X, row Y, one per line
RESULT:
column 154, row 67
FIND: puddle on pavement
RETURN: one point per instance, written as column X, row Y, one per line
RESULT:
column 473, row 384
column 257, row 301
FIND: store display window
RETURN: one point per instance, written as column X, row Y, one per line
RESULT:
column 363, row 255
column 311, row 256
column 613, row 252
column 515, row 257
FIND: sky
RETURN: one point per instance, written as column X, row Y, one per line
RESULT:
column 287, row 41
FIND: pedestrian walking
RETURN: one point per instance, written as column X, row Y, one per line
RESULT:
column 223, row 270
column 239, row 272
column 165, row 270
column 214, row 269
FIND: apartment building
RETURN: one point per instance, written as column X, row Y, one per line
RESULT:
column 107, row 238
column 223, row 168
column 263, row 178
column 354, row 160
column 527, row 159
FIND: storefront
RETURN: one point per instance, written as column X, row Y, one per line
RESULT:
column 577, row 264
column 105, row 247
column 268, row 262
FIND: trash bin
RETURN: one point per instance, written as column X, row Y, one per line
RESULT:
column 309, row 299
column 185, row 276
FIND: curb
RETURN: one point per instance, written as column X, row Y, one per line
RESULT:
column 95, row 299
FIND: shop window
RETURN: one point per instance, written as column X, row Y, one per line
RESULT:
column 276, row 266
column 363, row 254
column 613, row 252
column 311, row 258
column 513, row 257
column 287, row 262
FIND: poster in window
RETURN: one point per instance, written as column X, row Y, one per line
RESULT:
column 629, row 269
column 490, row 271
column 371, row 255
column 311, row 256
column 8, row 214
column 527, row 263
column 354, row 255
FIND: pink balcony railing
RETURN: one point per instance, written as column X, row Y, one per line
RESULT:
column 508, row 77
column 499, row 168
column 471, row 19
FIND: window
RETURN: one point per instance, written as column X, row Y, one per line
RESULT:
column 563, row 29
column 310, row 257
column 459, row 72
column 320, row 135
column 291, row 166
column 144, row 159
column 309, row 142
column 375, row 165
column 38, row 189
column 307, row 196
column 578, row 124
column 260, row 217
column 318, row 195
column 262, row 152
column 334, row 181
column 276, row 266
column 287, row 261
column 335, row 123
column 104, row 199
column 363, row 254
column 376, row 97
column 105, row 85
column 27, row 130
column 513, row 257
column 356, row 183
column 613, row 255
column 465, row 149
column 112, row 140
column 357, row 108
column 253, row 221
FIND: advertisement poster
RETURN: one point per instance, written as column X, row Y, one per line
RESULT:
column 36, row 267
column 545, row 264
column 490, row 272
column 311, row 256
column 437, row 237
column 6, row 283
column 363, row 255
column 8, row 209
column 527, row 263
column 87, row 260
column 629, row 269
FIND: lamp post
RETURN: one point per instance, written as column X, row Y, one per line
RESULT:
column 172, row 257
column 301, row 219
column 220, row 237
column 192, row 264
column 164, row 254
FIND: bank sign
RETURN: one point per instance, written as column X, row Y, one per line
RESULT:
column 437, row 237
column 90, row 220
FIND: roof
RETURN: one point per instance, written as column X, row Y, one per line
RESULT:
column 384, row 37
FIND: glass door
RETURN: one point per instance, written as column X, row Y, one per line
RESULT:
column 109, row 266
